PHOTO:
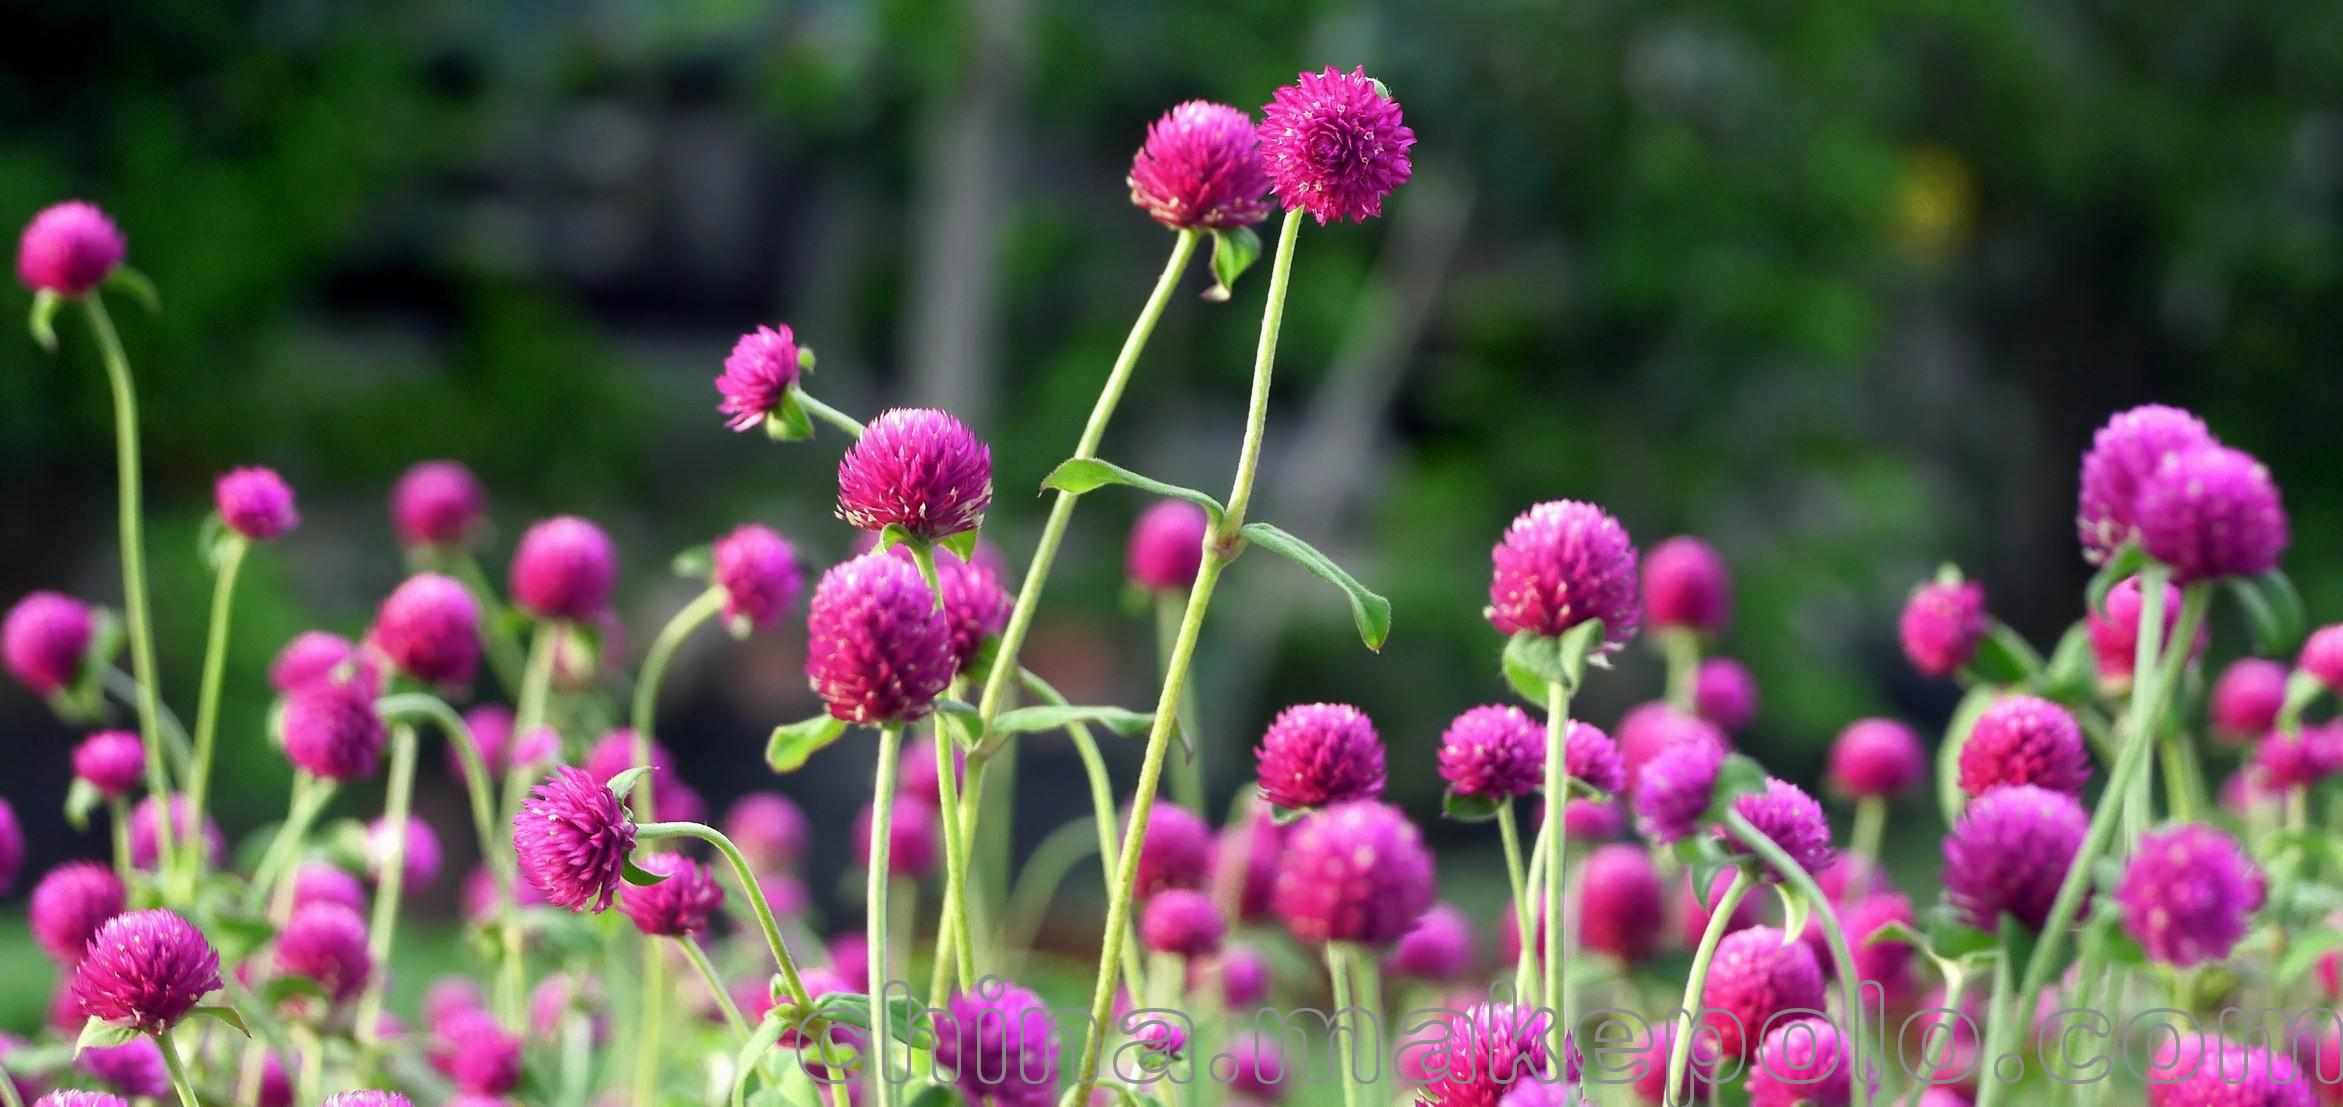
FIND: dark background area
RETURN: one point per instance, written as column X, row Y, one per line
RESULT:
column 1842, row 287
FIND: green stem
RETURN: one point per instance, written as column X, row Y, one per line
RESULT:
column 528, row 715
column 924, row 556
column 1346, row 1053
column 1870, row 826
column 8, row 1096
column 1834, row 935
column 702, row 608
column 178, row 1069
column 2179, row 796
column 500, row 860
column 750, row 890
column 1720, row 917
column 207, row 705
column 1681, row 647
column 723, row 996
column 390, row 882
column 1367, row 992
column 124, row 687
column 652, row 1021
column 504, row 653
column 882, row 828
column 1556, row 992
column 119, row 812
column 952, row 916
column 1219, row 548
column 830, row 415
column 1188, row 771
column 134, row 597
column 272, row 881
column 1524, row 916
column 1102, row 811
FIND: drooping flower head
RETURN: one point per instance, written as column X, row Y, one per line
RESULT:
column 1687, row 586
column 759, row 575
column 256, row 503
column 333, row 731
column 1176, row 851
column 769, row 829
column 2115, row 635
column 2188, row 894
column 1792, row 819
column 1622, row 903
column 45, row 639
column 2322, row 655
column 1493, row 752
column 415, row 844
column 1335, row 145
column 326, row 942
column 1439, row 947
column 1166, row 547
column 914, row 842
column 317, row 655
column 1486, row 1053
column 145, row 830
column 1941, row 626
column 2212, row 512
column 70, row 904
column 429, row 628
column 1201, row 168
column 1877, row 758
column 2023, row 739
column 564, row 568
column 1672, row 792
column 573, row 838
column 757, row 376
column 1756, row 975
column 1647, row 729
column 2124, row 455
column 112, row 761
column 437, row 503
column 1000, row 1043
column 1803, row 1063
column 679, row 905
column 1561, row 563
column 1355, row 872
column 145, row 969
column 919, row 469
column 877, row 650
column 1182, row 921
column 2009, row 852
column 69, row 249
column 1724, row 693
column 1315, row 754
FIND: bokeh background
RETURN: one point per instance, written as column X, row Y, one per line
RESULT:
column 1842, row 287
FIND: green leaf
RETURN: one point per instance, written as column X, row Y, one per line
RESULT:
column 935, row 1095
column 895, row 534
column 2302, row 690
column 285, row 988
column 81, row 798
column 1234, row 250
column 696, row 563
column 236, row 936
column 1122, row 721
column 641, row 877
column 789, row 422
column 2303, row 952
column 2126, row 564
column 1371, row 612
column 97, row 1033
column 2004, row 658
column 136, row 285
column 624, row 783
column 1795, row 913
column 1284, row 816
column 760, row 1041
column 791, row 745
column 43, row 322
column 906, row 1017
column 212, row 539
column 963, row 543
column 1953, row 939
column 964, row 713
column 1469, row 809
column 1949, row 797
column 2073, row 670
column 1080, row 475
column 2273, row 609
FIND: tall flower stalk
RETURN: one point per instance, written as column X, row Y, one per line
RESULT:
column 875, row 920
column 231, row 551
column 1557, row 991
column 391, row 880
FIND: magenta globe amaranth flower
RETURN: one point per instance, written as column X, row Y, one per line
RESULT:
column 69, row 248
column 1803, row 1063
column 2009, row 852
column 1166, row 547
column 1591, row 758
column 914, row 840
column 2188, row 895
column 1438, row 947
column 2212, row 512
column 2124, row 455
column 135, row 1069
column 1877, row 758
column 1355, row 872
column 1242, row 975
column 1941, row 626
column 573, row 838
column 415, row 844
column 1182, row 921
column 2115, row 635
column 2284, row 762
column 1000, row 1045
column 1672, row 792
column 2322, row 655
column 112, row 761
column 564, row 568
column 1485, row 1053
column 333, row 732
column 878, row 651
column 256, row 503
column 758, row 374
column 1315, row 754
column 1592, row 820
column 1256, row 842
column 45, row 640
column 145, row 969
column 1335, row 145
column 324, row 882
column 72, row 1098
column 1493, row 752
column 1650, row 728
column 1622, row 903
column 437, row 503
column 366, row 1099
column 70, row 904
column 429, row 628
column 1176, row 851
column 326, row 943
column 2023, row 739
column 1724, row 693
column 1757, row 974
column 1784, row 813
column 1686, row 586
column 680, row 905
column 2194, row 1068
column 315, row 656
column 1201, row 168
column 1560, row 564
column 919, row 469
column 769, row 829
column 479, row 1054
column 759, row 575
column 976, row 607
column 145, row 829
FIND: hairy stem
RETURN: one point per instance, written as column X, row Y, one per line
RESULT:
column 1188, row 771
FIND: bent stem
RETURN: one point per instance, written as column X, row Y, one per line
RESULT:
column 178, row 1069
column 699, row 959
column 207, row 704
column 1695, row 984
column 1557, row 838
column 504, row 652
column 702, row 608
column 1833, row 934
column 390, row 883
column 1524, row 917
column 830, row 415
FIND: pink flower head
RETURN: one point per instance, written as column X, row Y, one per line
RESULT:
column 2212, row 512
column 1654, row 1051
column 769, row 829
column 2188, row 895
column 134, row 1068
column 1335, row 145
column 11, row 848
column 1166, row 547
column 1591, row 758
column 1355, row 872
column 491, row 725
column 1687, row 586
column 256, row 503
column 2192, row 1068
column 70, row 904
column 2115, row 636
column 1887, row 964
column 479, row 1054
column 112, row 761
column 315, row 656
column 1791, row 818
column 326, row 942
column 614, row 753
column 573, row 837
column 1000, row 1043
column 587, row 649
column 1803, row 1063
column 145, row 969
column 366, row 1099
column 1648, row 729
column 72, row 1098
column 323, row 882
column 1672, row 792
column 2008, row 853
column 419, row 857
column 679, row 905
column 69, row 248
column 1622, row 904
column 878, row 651
column 976, row 607
column 1241, row 970
column 919, row 469
column 1757, row 974
column 2024, row 739
column 145, row 830
column 430, row 629
column 1200, row 168
column 333, row 732
column 1316, row 754
column 758, row 375
column 1487, row 1052
column 1493, row 752
column 1724, row 693
column 1561, row 563
column 1182, row 921
column 1592, row 820
column 1941, row 626
column 437, row 503
column 564, row 568
column 1176, row 852
column 2322, row 656
column 2288, row 761
column 914, row 841
column 759, row 575
column 1438, row 947
column 1879, row 758
column 45, row 639
column 2124, row 455
column 1257, row 842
